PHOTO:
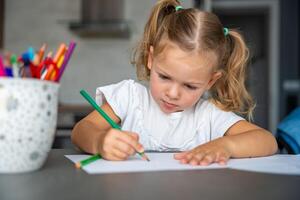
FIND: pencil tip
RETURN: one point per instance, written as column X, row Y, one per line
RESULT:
column 146, row 158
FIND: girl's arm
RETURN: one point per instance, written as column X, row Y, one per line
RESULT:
column 248, row 140
column 87, row 133
column 93, row 134
column 241, row 140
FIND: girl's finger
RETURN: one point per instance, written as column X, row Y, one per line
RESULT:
column 110, row 156
column 196, row 158
column 222, row 160
column 194, row 162
column 199, row 156
column 187, row 158
column 125, row 148
column 135, row 136
column 208, row 159
column 132, row 141
column 182, row 157
column 179, row 156
column 119, row 154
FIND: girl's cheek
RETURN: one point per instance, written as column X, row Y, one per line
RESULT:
column 192, row 99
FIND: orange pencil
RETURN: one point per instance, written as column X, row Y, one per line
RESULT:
column 41, row 53
column 61, row 50
column 51, row 70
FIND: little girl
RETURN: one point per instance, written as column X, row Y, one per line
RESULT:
column 183, row 53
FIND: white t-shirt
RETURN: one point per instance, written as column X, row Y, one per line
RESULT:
column 134, row 105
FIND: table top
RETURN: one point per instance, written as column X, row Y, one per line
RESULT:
column 59, row 179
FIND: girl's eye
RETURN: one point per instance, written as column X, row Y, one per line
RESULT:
column 191, row 87
column 163, row 77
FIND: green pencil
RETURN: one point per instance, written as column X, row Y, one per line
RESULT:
column 87, row 160
column 108, row 119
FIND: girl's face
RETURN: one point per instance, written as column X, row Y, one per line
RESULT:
column 178, row 79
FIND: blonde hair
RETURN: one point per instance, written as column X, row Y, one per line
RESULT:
column 195, row 30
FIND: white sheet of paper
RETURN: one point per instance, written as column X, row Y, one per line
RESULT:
column 158, row 162
column 281, row 164
column 278, row 164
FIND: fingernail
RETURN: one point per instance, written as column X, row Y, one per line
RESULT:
column 203, row 163
column 222, row 162
column 183, row 161
column 141, row 149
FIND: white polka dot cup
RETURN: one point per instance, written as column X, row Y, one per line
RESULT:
column 28, row 114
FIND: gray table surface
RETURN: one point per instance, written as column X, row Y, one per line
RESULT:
column 58, row 179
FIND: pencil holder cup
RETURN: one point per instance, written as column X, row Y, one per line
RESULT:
column 28, row 114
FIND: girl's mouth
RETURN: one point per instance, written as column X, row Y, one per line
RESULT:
column 168, row 106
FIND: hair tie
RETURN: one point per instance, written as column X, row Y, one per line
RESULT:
column 226, row 31
column 178, row 8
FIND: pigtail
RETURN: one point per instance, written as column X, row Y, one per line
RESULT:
column 230, row 93
column 152, row 34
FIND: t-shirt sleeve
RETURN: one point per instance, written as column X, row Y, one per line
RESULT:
column 221, row 121
column 119, row 96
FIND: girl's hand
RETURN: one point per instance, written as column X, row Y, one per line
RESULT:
column 216, row 151
column 119, row 145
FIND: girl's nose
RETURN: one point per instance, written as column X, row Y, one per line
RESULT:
column 173, row 92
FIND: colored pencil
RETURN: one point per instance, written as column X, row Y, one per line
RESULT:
column 14, row 65
column 2, row 70
column 43, row 68
column 59, row 53
column 31, row 64
column 41, row 53
column 106, row 117
column 88, row 160
column 60, row 61
column 67, row 57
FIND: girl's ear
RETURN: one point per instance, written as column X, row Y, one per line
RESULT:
column 215, row 76
column 150, row 58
